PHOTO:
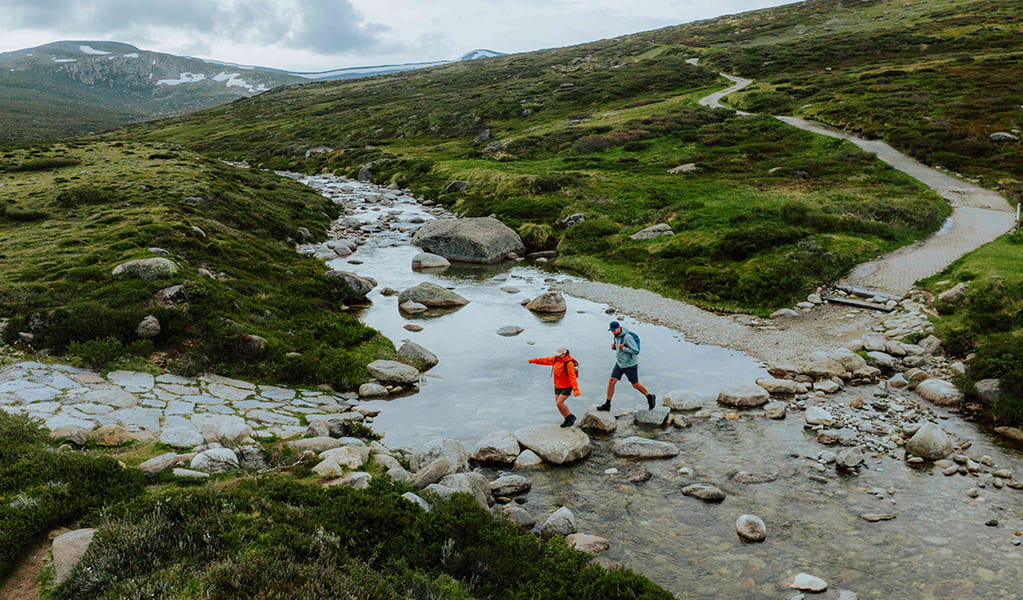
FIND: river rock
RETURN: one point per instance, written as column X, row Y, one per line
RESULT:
column 751, row 528
column 215, row 460
column 779, row 386
column 509, row 331
column 561, row 522
column 417, row 356
column 556, row 445
column 497, row 447
column 849, row 360
column 597, row 420
column 638, row 447
column 528, row 460
column 688, row 400
column 476, row 240
column 776, row 410
column 425, row 260
column 744, row 396
column 548, row 302
column 518, row 515
column 850, row 458
column 393, row 372
column 654, row 417
column 373, row 390
column 431, row 295
column 590, row 544
column 510, row 485
column 450, row 449
column 352, row 284
column 930, row 442
column 68, row 550
column 815, row 415
column 652, row 232
column 805, row 582
column 412, row 308
column 939, row 392
column 147, row 268
column 827, row 386
column 703, row 491
column 825, row 368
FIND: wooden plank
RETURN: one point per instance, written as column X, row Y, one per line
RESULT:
column 858, row 303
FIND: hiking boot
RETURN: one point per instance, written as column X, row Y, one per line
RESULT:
column 650, row 398
column 568, row 421
column 605, row 406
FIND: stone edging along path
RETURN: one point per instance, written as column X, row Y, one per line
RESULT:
column 978, row 216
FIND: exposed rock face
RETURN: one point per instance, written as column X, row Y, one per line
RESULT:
column 393, row 372
column 480, row 240
column 940, row 392
column 352, row 283
column 744, row 396
column 147, row 268
column 431, row 294
column 68, row 549
column 554, row 444
column 638, row 447
column 652, row 232
column 499, row 447
column 930, row 443
column 548, row 302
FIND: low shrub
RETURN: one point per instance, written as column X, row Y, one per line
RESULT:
column 99, row 352
column 43, row 164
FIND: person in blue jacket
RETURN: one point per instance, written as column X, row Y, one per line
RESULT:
column 626, row 363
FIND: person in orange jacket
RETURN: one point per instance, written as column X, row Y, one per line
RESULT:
column 564, row 372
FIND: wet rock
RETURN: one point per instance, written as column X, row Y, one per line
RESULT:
column 744, row 396
column 372, row 390
column 596, row 420
column 68, row 549
column 747, row 478
column 497, row 447
column 351, row 283
column 528, row 460
column 555, row 444
column 393, row 372
column 688, row 400
column 591, row 544
column 509, row 331
column 417, row 356
column 705, row 492
column 561, row 522
column 412, row 308
column 431, row 295
column 875, row 517
column 425, row 260
column 776, row 410
column 510, row 485
column 549, row 302
column 638, row 447
column 939, row 392
column 815, row 415
column 412, row 326
column 751, row 528
column 477, row 240
column 654, row 417
column 633, row 474
column 930, row 443
column 779, row 386
column 850, row 458
column 807, row 583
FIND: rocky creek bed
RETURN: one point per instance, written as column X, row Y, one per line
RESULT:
column 855, row 479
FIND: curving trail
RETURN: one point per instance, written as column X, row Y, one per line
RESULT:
column 978, row 216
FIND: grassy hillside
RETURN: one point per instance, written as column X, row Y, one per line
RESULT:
column 593, row 129
column 70, row 213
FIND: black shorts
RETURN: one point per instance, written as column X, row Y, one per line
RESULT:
column 631, row 372
column 563, row 391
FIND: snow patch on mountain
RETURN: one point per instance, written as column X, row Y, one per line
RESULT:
column 183, row 78
column 235, row 80
column 90, row 50
column 132, row 55
column 63, row 60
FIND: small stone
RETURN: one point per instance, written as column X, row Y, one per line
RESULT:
column 808, row 583
column 751, row 528
column 705, row 492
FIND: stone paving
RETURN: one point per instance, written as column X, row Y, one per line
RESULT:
column 182, row 412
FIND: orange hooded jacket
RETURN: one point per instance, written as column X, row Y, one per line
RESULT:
column 563, row 370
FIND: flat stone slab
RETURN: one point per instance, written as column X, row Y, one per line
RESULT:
column 132, row 381
column 638, row 447
column 555, row 444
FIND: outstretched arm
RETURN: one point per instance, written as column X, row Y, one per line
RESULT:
column 547, row 360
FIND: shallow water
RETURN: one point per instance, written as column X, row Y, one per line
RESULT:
column 938, row 546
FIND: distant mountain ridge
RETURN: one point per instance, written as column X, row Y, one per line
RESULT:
column 70, row 88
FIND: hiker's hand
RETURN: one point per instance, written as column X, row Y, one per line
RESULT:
column 576, row 392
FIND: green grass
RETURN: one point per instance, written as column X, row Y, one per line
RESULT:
column 100, row 204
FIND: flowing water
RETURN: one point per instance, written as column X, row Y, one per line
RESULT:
column 937, row 546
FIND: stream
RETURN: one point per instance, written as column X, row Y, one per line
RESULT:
column 941, row 543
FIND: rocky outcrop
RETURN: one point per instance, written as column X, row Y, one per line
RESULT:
column 479, row 240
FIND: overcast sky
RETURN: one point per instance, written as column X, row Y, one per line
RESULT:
column 313, row 35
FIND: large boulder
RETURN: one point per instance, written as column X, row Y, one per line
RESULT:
column 638, row 447
column 431, row 294
column 929, row 442
column 479, row 240
column 449, row 449
column 215, row 460
column 497, row 447
column 510, row 485
column 68, row 549
column 425, row 260
column 596, row 420
column 474, row 484
column 352, row 284
column 417, row 356
column 744, row 396
column 548, row 302
column 147, row 268
column 555, row 444
column 561, row 522
column 393, row 372
column 988, row 391
column 940, row 392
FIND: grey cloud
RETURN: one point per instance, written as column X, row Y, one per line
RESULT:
column 323, row 26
